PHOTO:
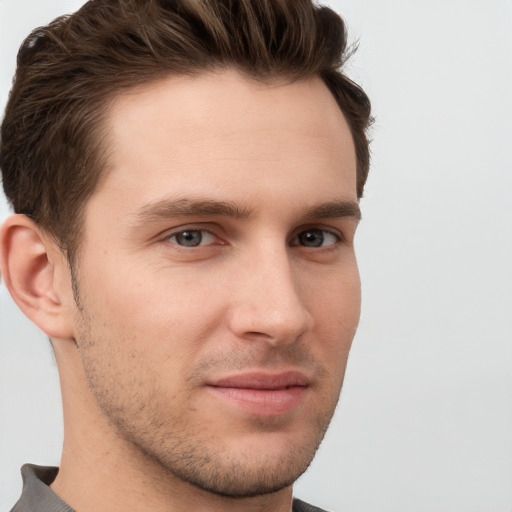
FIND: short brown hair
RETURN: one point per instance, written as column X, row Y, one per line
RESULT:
column 51, row 151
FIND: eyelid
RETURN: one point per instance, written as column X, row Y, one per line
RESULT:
column 169, row 233
column 220, row 240
column 205, row 240
column 337, row 233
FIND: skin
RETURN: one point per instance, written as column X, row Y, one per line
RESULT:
column 263, row 179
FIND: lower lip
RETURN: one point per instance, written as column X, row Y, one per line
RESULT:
column 262, row 402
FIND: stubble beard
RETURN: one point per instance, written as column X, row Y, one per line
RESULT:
column 195, row 461
column 140, row 415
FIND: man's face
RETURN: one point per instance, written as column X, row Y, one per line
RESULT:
column 218, row 286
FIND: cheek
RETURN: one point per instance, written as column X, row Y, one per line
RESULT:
column 336, row 309
column 336, row 299
column 141, row 308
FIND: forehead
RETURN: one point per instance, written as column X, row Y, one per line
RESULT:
column 211, row 133
column 228, row 99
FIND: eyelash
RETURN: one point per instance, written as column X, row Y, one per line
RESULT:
column 337, row 236
column 191, row 230
column 334, row 234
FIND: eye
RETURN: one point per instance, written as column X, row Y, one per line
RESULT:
column 192, row 238
column 316, row 238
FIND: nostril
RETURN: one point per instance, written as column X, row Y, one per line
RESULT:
column 259, row 334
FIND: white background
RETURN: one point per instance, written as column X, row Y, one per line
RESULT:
column 425, row 420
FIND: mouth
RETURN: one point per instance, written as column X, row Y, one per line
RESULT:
column 260, row 393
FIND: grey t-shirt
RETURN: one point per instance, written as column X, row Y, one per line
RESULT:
column 38, row 497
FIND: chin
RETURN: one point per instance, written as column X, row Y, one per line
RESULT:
column 245, row 477
column 243, row 467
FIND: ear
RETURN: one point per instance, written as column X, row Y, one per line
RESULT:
column 37, row 276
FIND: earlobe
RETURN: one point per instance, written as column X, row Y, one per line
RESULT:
column 29, row 264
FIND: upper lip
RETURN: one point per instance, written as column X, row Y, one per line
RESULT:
column 261, row 380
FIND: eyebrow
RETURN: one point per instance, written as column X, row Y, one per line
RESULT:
column 165, row 209
column 334, row 210
column 168, row 208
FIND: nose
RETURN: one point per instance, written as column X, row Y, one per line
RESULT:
column 267, row 303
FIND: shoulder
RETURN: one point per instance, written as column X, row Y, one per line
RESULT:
column 302, row 506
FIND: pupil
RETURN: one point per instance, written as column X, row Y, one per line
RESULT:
column 189, row 238
column 312, row 238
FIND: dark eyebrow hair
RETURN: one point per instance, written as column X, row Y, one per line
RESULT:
column 334, row 210
column 168, row 208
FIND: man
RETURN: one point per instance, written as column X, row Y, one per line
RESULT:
column 186, row 177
